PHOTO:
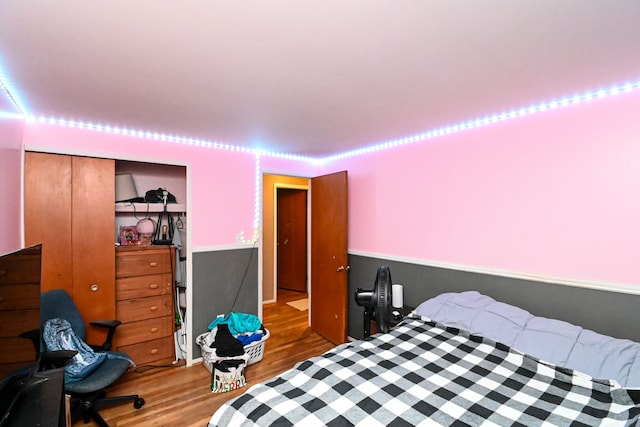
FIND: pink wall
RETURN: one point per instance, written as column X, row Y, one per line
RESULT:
column 10, row 179
column 553, row 194
column 222, row 191
column 282, row 166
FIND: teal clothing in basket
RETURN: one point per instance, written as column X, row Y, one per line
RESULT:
column 239, row 323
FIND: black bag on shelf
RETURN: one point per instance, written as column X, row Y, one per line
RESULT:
column 156, row 196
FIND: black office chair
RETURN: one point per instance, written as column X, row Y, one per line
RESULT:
column 87, row 394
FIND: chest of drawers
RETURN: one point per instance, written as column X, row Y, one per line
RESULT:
column 145, row 303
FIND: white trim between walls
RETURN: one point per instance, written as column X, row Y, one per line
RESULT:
column 581, row 283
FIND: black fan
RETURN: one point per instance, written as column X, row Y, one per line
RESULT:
column 377, row 302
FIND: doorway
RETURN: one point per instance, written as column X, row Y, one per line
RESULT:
column 291, row 240
column 326, row 259
column 272, row 185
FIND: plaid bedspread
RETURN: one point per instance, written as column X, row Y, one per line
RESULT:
column 423, row 373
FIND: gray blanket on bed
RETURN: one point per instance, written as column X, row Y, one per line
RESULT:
column 551, row 340
column 424, row 373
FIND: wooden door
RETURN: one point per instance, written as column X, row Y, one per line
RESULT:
column 291, row 240
column 93, row 241
column 47, row 216
column 329, row 268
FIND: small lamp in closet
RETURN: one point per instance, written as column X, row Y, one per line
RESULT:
column 125, row 188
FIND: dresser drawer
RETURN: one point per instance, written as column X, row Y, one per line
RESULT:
column 23, row 267
column 22, row 351
column 19, row 297
column 144, row 330
column 149, row 351
column 143, row 286
column 142, row 262
column 136, row 309
column 15, row 322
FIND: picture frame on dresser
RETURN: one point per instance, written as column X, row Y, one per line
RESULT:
column 129, row 235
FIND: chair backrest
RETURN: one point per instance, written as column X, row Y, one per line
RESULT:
column 58, row 303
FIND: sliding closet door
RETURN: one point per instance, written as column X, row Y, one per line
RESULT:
column 93, row 237
column 47, row 216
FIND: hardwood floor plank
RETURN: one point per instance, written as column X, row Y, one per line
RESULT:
column 181, row 396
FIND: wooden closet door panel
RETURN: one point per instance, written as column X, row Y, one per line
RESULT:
column 93, row 237
column 47, row 215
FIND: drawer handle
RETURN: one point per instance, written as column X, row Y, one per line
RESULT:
column 153, row 286
column 153, row 264
column 153, row 308
column 154, row 330
column 154, row 351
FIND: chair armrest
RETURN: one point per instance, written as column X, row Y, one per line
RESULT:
column 56, row 359
column 34, row 336
column 106, row 323
column 111, row 325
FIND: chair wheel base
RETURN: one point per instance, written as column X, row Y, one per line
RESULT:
column 138, row 403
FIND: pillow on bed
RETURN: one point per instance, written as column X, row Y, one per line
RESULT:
column 551, row 340
column 478, row 314
column 512, row 320
column 548, row 339
column 610, row 357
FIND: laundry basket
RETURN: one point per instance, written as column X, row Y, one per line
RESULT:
column 253, row 352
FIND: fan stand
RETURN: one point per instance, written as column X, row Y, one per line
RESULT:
column 367, row 316
column 376, row 302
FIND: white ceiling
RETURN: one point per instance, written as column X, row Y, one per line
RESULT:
column 310, row 77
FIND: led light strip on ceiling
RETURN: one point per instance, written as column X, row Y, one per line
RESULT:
column 495, row 118
column 445, row 130
column 5, row 87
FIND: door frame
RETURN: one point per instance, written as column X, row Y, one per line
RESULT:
column 276, row 187
column 266, row 245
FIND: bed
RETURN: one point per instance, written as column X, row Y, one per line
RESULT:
column 459, row 359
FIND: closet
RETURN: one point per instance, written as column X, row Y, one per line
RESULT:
column 69, row 208
column 152, row 176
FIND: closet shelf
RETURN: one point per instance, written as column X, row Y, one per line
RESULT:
column 153, row 207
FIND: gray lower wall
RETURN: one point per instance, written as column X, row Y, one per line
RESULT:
column 223, row 281
column 218, row 279
column 610, row 313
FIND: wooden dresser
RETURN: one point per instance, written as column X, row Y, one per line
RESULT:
column 145, row 303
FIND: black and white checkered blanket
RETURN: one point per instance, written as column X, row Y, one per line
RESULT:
column 423, row 373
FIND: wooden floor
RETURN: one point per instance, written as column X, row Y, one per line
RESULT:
column 181, row 396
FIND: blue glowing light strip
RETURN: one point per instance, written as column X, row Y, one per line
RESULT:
column 6, row 88
column 258, row 199
column 445, row 130
column 96, row 127
column 471, row 124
